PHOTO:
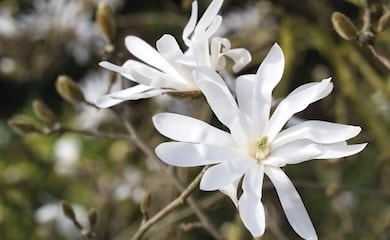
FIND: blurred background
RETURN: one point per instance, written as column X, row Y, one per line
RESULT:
column 50, row 159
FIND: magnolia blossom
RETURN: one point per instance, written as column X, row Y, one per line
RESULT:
column 168, row 68
column 256, row 144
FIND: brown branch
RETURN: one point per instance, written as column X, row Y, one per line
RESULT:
column 92, row 133
column 170, row 207
column 384, row 60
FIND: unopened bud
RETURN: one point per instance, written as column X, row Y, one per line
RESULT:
column 384, row 22
column 344, row 26
column 68, row 210
column 22, row 126
column 69, row 90
column 106, row 22
column 145, row 203
column 43, row 112
column 92, row 217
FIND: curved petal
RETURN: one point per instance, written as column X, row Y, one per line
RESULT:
column 267, row 77
column 149, row 55
column 240, row 56
column 339, row 150
column 316, row 131
column 208, row 16
column 227, row 172
column 295, row 102
column 124, row 71
column 231, row 191
column 292, row 153
column 183, row 154
column 291, row 203
column 250, row 206
column 106, row 102
column 216, row 44
column 189, row 28
column 320, row 95
column 187, row 129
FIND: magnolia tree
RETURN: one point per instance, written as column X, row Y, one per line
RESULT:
column 217, row 110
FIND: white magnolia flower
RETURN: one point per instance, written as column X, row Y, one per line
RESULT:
column 256, row 144
column 169, row 69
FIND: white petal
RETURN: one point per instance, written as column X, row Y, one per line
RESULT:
column 227, row 172
column 146, row 94
column 126, row 94
column 187, row 129
column 231, row 191
column 208, row 16
column 296, row 102
column 291, row 203
column 146, row 75
column 216, row 44
column 317, row 131
column 218, row 95
column 126, row 72
column 267, row 77
column 149, row 55
column 210, row 31
column 189, row 28
column 240, row 56
column 250, row 206
column 244, row 90
column 339, row 150
column 253, row 180
column 106, row 102
column 183, row 154
column 222, row 103
column 167, row 46
column 292, row 153
column 325, row 92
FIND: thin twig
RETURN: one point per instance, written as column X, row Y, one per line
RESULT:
column 385, row 61
column 208, row 226
column 170, row 207
column 92, row 133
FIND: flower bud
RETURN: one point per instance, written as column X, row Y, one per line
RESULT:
column 344, row 26
column 69, row 90
column 106, row 22
column 43, row 112
column 384, row 22
column 92, row 217
column 145, row 203
column 68, row 211
column 22, row 126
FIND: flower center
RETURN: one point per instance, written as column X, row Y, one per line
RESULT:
column 260, row 149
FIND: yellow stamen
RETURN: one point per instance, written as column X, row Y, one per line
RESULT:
column 260, row 149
